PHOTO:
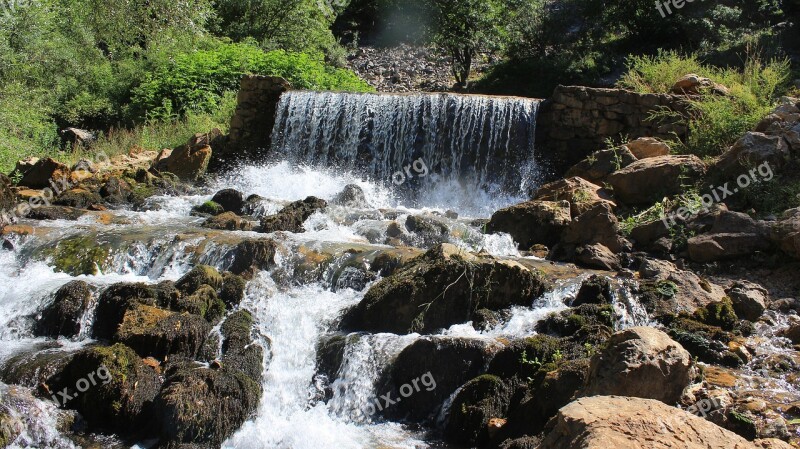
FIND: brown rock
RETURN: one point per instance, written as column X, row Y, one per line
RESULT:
column 713, row 247
column 692, row 84
column 188, row 162
column 648, row 147
column 597, row 225
column 752, row 150
column 598, row 256
column 37, row 173
column 531, row 223
column 229, row 221
column 786, row 233
column 581, row 194
column 600, row 164
column 650, row 180
column 604, row 422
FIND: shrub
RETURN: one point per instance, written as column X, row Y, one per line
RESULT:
column 196, row 81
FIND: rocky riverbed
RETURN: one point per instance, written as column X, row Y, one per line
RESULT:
column 151, row 304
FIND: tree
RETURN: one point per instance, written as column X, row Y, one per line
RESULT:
column 463, row 28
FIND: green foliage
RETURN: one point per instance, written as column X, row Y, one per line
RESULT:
column 667, row 289
column 716, row 120
column 197, row 81
column 719, row 314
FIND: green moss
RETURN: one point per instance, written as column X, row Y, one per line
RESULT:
column 210, row 208
column 718, row 313
column 667, row 289
column 78, row 256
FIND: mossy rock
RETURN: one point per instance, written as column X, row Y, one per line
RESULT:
column 63, row 316
column 203, row 302
column 115, row 301
column 122, row 395
column 10, row 429
column 573, row 321
column 595, row 290
column 198, row 276
column 77, row 256
column 203, row 406
column 706, row 342
column 78, row 198
column 718, row 313
column 253, row 254
column 158, row 333
column 524, row 358
column 209, row 208
column 478, row 401
column 233, row 289
column 239, row 352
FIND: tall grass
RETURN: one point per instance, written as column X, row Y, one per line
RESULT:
column 716, row 121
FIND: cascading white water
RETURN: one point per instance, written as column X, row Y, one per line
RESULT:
column 485, row 143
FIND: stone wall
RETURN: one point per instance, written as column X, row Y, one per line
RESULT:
column 577, row 121
column 254, row 118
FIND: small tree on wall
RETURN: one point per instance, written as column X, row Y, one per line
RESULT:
column 463, row 28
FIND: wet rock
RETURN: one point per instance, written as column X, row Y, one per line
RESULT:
column 719, row 313
column 116, row 191
column 204, row 407
column 434, row 368
column 292, row 217
column 352, row 196
column 478, row 401
column 158, row 333
column 123, row 391
column 647, row 147
column 649, row 180
column 595, row 290
column 429, row 231
column 63, row 316
column 231, row 200
column 443, row 287
column 533, row 222
column 252, row 255
column 355, row 278
column 330, row 354
column 228, row 221
column 752, row 150
column 35, row 365
column 587, row 323
column 523, row 358
column 197, row 277
column 117, row 299
column 38, row 173
column 641, row 362
column 749, row 300
column 78, row 198
column 208, row 208
column 203, row 302
column 239, row 351
column 707, row 343
column 581, row 194
column 55, row 213
column 600, row 164
column 609, row 421
column 233, row 289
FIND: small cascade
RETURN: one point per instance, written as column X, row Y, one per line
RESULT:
column 481, row 141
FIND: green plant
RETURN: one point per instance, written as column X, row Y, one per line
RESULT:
column 667, row 289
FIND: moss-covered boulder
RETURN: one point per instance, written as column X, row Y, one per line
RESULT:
column 204, row 407
column 431, row 370
column 78, row 255
column 292, row 217
column 208, row 208
column 478, row 401
column 239, row 351
column 115, row 301
column 582, row 321
column 523, row 358
column 198, row 276
column 719, row 314
column 119, row 388
column 595, row 290
column 233, row 289
column 707, row 343
column 158, row 333
column 203, row 302
column 35, row 365
column 63, row 317
column 79, row 198
column 116, row 191
column 443, row 287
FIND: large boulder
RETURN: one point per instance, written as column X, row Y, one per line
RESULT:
column 599, row 165
column 39, row 173
column 188, row 162
column 116, row 300
column 292, row 217
column 239, row 352
column 476, row 403
column 231, row 200
column 111, row 387
column 597, row 225
column 732, row 235
column 63, row 317
column 647, row 147
column 641, row 362
column 752, row 150
column 158, row 333
column 434, row 368
column 665, row 290
column 445, row 286
column 199, row 407
column 581, row 194
column 602, row 422
column 533, row 222
column 649, row 180
column 351, row 196
column 749, row 300
column 253, row 255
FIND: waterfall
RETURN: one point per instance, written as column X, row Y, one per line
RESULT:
column 485, row 142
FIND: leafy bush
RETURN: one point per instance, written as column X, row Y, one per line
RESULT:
column 25, row 125
column 196, row 81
